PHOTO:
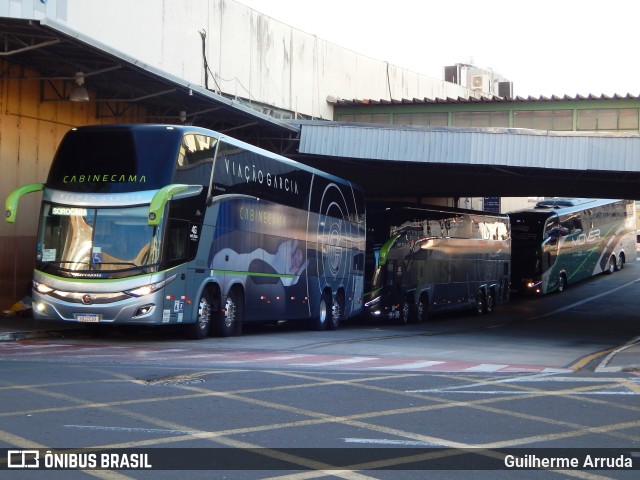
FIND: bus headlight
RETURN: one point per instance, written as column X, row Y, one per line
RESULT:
column 148, row 289
column 42, row 288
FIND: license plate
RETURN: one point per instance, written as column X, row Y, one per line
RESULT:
column 88, row 318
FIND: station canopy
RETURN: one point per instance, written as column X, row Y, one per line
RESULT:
column 387, row 160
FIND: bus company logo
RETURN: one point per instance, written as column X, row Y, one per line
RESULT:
column 86, row 299
column 585, row 238
column 105, row 177
column 88, row 275
column 334, row 250
column 257, row 175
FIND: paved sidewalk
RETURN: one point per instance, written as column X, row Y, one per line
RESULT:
column 26, row 328
column 623, row 358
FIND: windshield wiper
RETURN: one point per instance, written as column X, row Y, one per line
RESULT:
column 133, row 266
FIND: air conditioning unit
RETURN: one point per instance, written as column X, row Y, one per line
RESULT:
column 479, row 82
column 505, row 90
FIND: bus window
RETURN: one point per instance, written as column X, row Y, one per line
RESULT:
column 176, row 244
column 391, row 273
column 577, row 224
column 195, row 159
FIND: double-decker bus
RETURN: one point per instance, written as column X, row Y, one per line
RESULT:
column 564, row 240
column 435, row 259
column 169, row 225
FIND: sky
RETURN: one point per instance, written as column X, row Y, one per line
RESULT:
column 545, row 47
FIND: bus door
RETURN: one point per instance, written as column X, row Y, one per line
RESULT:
column 581, row 248
column 573, row 245
column 550, row 245
column 393, row 282
column 176, row 251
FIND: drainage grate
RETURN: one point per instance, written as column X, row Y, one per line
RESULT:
column 177, row 380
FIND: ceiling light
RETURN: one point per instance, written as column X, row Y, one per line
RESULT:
column 80, row 93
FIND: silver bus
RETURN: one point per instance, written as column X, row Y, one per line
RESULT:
column 179, row 225
column 436, row 259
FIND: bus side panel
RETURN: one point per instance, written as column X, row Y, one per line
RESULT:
column 618, row 234
column 588, row 238
column 335, row 245
column 260, row 247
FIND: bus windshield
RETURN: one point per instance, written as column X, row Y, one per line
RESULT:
column 81, row 239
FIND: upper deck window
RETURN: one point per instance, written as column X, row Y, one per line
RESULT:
column 114, row 160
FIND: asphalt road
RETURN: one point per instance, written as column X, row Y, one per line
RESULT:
column 364, row 402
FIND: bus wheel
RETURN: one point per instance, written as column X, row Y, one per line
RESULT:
column 337, row 311
column 480, row 302
column 230, row 321
column 321, row 320
column 611, row 267
column 620, row 262
column 422, row 311
column 562, row 283
column 200, row 328
column 489, row 302
column 405, row 313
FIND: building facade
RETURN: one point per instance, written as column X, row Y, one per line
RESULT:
column 561, row 114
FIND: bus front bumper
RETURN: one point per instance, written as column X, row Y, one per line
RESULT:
column 145, row 310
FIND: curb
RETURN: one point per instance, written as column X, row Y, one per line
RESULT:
column 37, row 334
column 603, row 366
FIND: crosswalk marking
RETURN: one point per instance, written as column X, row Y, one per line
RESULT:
column 145, row 354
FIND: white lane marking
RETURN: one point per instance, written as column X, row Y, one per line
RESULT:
column 407, row 366
column 387, row 441
column 518, row 392
column 485, row 367
column 343, row 361
column 130, row 429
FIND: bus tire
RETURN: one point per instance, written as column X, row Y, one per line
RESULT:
column 562, row 283
column 620, row 262
column 489, row 302
column 480, row 303
column 324, row 310
column 229, row 322
column 337, row 312
column 200, row 328
column 405, row 312
column 422, row 310
column 611, row 266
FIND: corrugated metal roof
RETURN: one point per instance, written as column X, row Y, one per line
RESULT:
column 499, row 147
column 489, row 99
column 423, row 162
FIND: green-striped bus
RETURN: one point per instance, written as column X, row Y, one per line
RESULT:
column 562, row 241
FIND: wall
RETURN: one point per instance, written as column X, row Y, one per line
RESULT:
column 30, row 130
column 250, row 55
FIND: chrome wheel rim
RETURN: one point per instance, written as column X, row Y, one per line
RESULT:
column 204, row 313
column 229, row 313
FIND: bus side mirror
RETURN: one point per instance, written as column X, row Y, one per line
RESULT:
column 11, row 203
column 165, row 194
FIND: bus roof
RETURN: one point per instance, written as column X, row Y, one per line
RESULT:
column 184, row 129
column 560, row 206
